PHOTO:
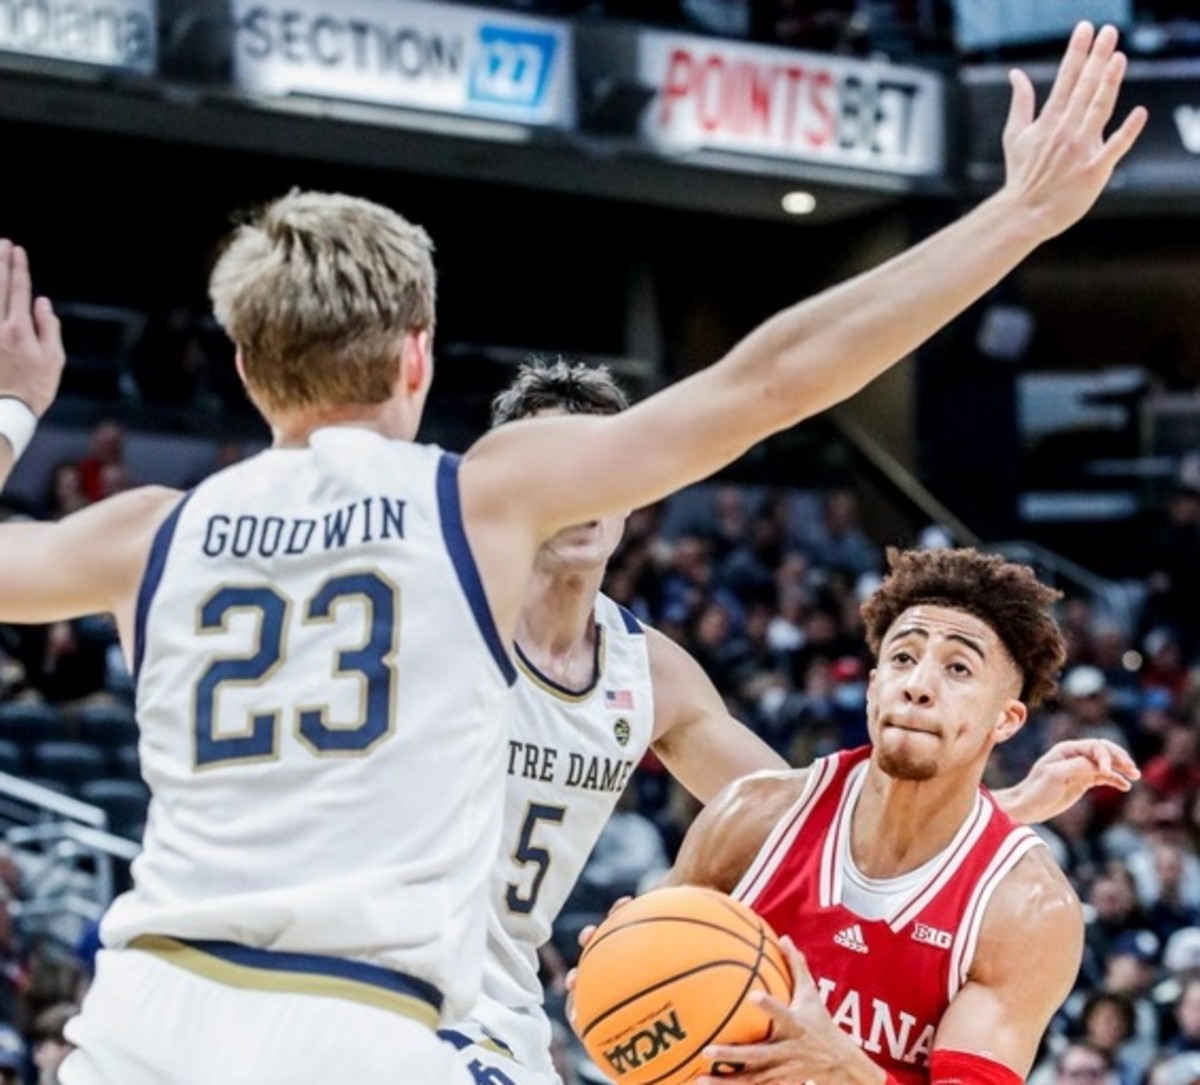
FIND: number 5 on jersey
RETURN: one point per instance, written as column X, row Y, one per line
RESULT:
column 372, row 662
column 529, row 854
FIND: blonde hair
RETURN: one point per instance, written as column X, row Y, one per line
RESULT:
column 317, row 291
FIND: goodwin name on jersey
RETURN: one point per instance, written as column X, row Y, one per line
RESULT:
column 245, row 535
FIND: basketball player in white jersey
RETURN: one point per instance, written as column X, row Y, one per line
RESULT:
column 596, row 688
column 320, row 635
column 938, row 936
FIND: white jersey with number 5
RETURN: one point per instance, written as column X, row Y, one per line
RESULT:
column 323, row 702
column 570, row 755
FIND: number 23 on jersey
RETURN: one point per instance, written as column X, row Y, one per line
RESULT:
column 371, row 662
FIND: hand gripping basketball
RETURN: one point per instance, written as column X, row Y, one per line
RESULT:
column 669, row 974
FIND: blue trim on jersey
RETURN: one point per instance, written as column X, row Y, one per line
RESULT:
column 632, row 625
column 459, row 1041
column 314, row 964
column 455, row 536
column 156, row 562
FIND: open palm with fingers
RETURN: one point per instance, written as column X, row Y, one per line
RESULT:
column 1058, row 162
column 31, row 350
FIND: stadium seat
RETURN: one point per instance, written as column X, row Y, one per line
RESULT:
column 27, row 723
column 72, row 763
column 107, row 725
column 12, row 758
column 124, row 801
column 126, row 763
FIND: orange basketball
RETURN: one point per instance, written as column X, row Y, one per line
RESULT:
column 667, row 975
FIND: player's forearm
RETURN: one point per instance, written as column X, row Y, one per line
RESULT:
column 1019, row 804
column 825, row 349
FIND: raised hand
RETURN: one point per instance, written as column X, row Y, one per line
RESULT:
column 1067, row 772
column 1058, row 163
column 31, row 350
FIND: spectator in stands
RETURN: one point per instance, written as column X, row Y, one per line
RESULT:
column 1107, row 1023
column 1147, row 865
column 1113, row 911
column 1177, row 1070
column 1085, row 705
column 839, row 542
column 1174, row 579
column 106, row 448
column 14, row 967
column 49, row 1045
column 1109, row 648
column 1187, row 1018
column 1134, row 825
column 629, row 855
column 1168, row 879
column 1081, row 1063
column 1070, row 842
column 65, row 493
column 67, row 661
column 1166, row 662
column 1175, row 772
column 12, row 1056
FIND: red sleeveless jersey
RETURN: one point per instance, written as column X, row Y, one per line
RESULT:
column 886, row 981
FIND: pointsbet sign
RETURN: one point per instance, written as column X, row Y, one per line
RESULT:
column 779, row 103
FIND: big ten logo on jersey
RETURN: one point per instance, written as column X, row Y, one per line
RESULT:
column 931, row 936
column 512, row 66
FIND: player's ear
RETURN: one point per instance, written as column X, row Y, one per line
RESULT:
column 1012, row 719
column 416, row 361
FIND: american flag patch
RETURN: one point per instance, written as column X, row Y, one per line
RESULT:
column 618, row 698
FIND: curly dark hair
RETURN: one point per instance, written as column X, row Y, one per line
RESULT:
column 1007, row 596
column 544, row 384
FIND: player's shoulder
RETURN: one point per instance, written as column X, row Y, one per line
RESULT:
column 746, row 810
column 1036, row 889
column 732, row 829
column 1034, row 913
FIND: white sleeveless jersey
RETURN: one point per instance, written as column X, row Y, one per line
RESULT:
column 323, row 703
column 570, row 755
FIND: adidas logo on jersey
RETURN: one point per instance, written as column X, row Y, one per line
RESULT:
column 852, row 938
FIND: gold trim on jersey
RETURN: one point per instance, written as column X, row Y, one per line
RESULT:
column 548, row 685
column 248, row 977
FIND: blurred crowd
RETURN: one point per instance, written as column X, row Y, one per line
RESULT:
column 763, row 587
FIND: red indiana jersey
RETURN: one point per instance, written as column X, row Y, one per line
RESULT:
column 887, row 956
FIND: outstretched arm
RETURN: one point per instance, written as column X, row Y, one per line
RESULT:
column 31, row 355
column 1063, row 775
column 697, row 739
column 810, row 356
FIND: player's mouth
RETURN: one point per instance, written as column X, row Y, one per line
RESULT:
column 909, row 728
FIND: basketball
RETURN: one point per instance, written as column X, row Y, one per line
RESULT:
column 670, row 973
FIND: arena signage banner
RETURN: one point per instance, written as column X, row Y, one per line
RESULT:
column 120, row 34
column 1164, row 162
column 780, row 103
column 408, row 53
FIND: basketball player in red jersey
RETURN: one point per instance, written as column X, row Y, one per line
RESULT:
column 938, row 937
